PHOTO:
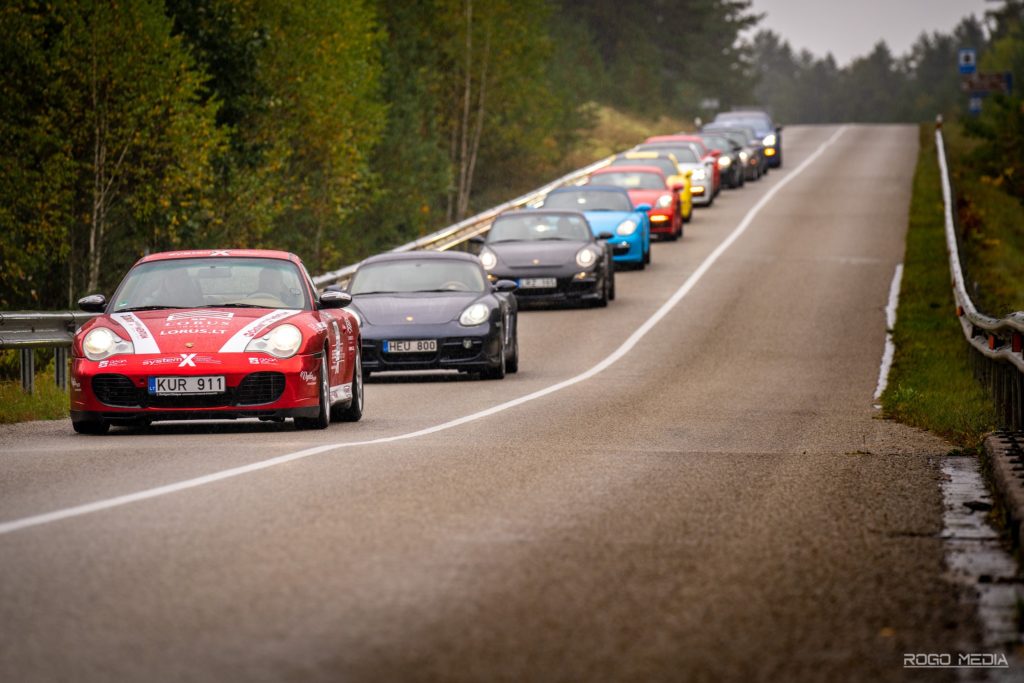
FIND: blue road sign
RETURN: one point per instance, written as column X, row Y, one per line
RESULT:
column 968, row 60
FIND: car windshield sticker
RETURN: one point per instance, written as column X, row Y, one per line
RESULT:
column 241, row 339
column 200, row 315
column 142, row 338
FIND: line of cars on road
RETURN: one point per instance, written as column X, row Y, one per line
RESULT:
column 226, row 334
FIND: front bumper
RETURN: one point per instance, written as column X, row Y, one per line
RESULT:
column 701, row 193
column 628, row 249
column 579, row 286
column 257, row 385
column 458, row 348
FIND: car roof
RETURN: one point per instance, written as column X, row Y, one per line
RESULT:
column 534, row 212
column 632, row 168
column 590, row 188
column 221, row 253
column 421, row 256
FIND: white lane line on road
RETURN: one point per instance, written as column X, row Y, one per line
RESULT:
column 890, row 323
column 632, row 341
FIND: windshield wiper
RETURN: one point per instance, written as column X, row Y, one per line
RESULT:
column 157, row 307
column 237, row 304
column 380, row 291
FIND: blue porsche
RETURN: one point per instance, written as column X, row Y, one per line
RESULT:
column 610, row 210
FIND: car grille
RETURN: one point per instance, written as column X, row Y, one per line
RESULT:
column 259, row 387
column 117, row 390
column 255, row 389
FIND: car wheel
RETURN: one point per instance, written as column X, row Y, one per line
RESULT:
column 512, row 364
column 647, row 255
column 498, row 371
column 323, row 417
column 353, row 412
column 611, row 286
column 99, row 426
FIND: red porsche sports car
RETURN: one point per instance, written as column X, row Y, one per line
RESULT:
column 219, row 334
column 647, row 185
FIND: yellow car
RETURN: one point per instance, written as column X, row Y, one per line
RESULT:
column 669, row 165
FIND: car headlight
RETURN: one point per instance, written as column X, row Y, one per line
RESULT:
column 769, row 140
column 585, row 257
column 103, row 342
column 488, row 259
column 724, row 162
column 475, row 314
column 664, row 200
column 626, row 227
column 282, row 342
column 744, row 156
column 699, row 174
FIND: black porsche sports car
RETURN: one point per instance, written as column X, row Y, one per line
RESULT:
column 427, row 310
column 552, row 256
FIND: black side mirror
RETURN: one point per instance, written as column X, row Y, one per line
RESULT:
column 478, row 239
column 333, row 299
column 94, row 303
column 605, row 235
column 505, row 286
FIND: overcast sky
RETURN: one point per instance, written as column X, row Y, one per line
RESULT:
column 850, row 28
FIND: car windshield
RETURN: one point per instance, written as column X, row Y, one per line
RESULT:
column 748, row 119
column 589, row 200
column 736, row 136
column 721, row 143
column 211, row 283
column 539, row 226
column 747, row 133
column 666, row 165
column 684, row 153
column 406, row 276
column 631, row 180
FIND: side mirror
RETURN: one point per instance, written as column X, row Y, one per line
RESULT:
column 478, row 239
column 334, row 299
column 643, row 207
column 778, row 129
column 94, row 303
column 716, row 152
column 605, row 235
column 505, row 286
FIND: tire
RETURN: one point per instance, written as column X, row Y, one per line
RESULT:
column 352, row 412
column 96, row 427
column 497, row 372
column 512, row 364
column 323, row 417
column 611, row 286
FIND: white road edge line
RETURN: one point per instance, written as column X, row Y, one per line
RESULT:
column 890, row 323
column 633, row 340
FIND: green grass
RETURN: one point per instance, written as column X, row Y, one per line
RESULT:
column 931, row 384
column 615, row 131
column 992, row 229
column 49, row 402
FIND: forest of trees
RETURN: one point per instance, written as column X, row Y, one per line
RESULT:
column 337, row 128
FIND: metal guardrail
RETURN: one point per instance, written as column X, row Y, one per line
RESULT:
column 29, row 330
column 997, row 344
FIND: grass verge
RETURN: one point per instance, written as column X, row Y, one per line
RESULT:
column 931, row 384
column 49, row 402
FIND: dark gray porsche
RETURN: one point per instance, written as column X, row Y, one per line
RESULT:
column 427, row 310
column 552, row 256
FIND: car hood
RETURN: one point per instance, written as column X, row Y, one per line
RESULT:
column 196, row 329
column 646, row 196
column 536, row 254
column 422, row 308
column 607, row 221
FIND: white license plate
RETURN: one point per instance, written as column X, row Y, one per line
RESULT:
column 538, row 282
column 410, row 346
column 179, row 386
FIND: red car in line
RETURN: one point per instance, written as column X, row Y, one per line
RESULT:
column 216, row 334
column 647, row 185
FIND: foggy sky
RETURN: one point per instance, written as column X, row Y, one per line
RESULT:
column 850, row 28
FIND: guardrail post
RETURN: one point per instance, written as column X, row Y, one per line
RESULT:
column 60, row 367
column 28, row 370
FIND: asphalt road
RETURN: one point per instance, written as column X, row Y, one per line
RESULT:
column 720, row 504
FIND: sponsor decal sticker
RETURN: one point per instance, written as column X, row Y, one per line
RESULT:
column 140, row 335
column 201, row 314
column 309, row 376
column 241, row 339
column 262, row 360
